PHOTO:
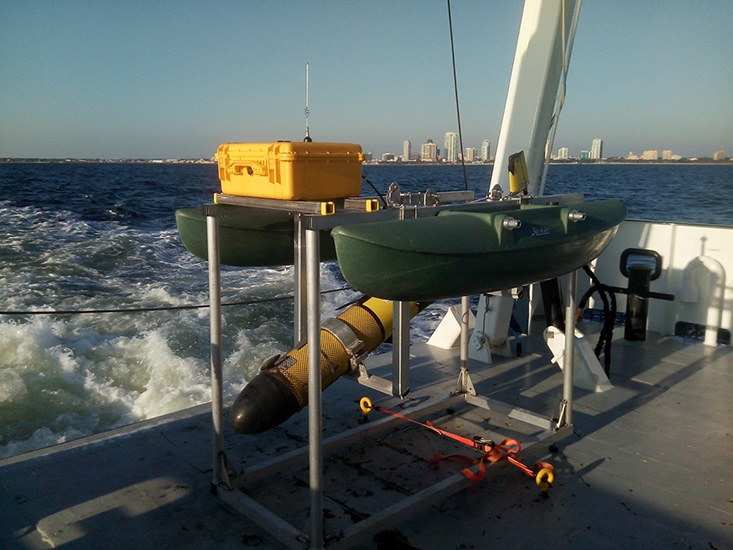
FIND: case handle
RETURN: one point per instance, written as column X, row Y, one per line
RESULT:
column 252, row 168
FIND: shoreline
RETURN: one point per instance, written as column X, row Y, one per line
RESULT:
column 701, row 162
column 565, row 163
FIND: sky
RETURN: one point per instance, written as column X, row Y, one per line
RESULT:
column 174, row 79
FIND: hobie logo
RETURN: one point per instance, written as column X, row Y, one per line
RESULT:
column 540, row 231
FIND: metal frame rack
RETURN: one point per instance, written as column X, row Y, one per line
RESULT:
column 310, row 218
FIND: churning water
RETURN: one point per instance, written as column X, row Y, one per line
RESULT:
column 91, row 236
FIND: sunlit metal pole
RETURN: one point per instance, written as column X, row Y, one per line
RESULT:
column 299, row 274
column 212, row 242
column 465, row 311
column 401, row 349
column 315, row 418
column 569, row 358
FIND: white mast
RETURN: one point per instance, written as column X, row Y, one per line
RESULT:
column 533, row 100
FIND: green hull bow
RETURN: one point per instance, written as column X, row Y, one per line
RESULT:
column 460, row 253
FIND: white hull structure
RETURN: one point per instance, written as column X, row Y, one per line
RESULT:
column 536, row 89
column 697, row 264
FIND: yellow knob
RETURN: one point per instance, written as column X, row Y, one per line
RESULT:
column 366, row 405
column 544, row 479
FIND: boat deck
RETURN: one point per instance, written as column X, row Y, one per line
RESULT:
column 648, row 466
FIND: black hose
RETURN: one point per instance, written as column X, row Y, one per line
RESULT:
column 381, row 197
column 608, row 298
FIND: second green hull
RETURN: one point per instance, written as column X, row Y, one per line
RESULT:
column 463, row 253
column 256, row 239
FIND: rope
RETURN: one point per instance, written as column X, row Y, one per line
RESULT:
column 160, row 308
column 455, row 88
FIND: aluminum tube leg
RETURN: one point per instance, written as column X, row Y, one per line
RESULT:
column 315, row 419
column 212, row 242
column 299, row 273
column 464, row 384
column 569, row 361
column 401, row 349
column 464, row 331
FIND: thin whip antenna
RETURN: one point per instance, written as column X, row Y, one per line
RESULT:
column 307, row 112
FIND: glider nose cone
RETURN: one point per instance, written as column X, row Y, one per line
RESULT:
column 265, row 402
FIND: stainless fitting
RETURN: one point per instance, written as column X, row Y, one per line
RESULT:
column 495, row 194
column 575, row 216
column 511, row 223
column 393, row 194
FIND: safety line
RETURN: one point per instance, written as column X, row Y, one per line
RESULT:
column 455, row 88
column 161, row 308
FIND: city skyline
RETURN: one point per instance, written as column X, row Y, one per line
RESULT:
column 594, row 152
column 114, row 80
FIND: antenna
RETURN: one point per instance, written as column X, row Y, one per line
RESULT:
column 307, row 112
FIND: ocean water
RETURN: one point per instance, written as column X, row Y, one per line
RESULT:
column 89, row 236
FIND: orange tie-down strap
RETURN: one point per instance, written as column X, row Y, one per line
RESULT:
column 542, row 472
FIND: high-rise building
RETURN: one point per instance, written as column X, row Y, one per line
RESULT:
column 651, row 154
column 563, row 153
column 451, row 147
column 585, row 155
column 429, row 151
column 406, row 150
column 486, row 150
column 719, row 155
column 596, row 149
column 470, row 154
column 667, row 154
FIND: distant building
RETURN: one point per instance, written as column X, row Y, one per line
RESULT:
column 667, row 154
column 563, row 153
column 596, row 149
column 585, row 155
column 368, row 156
column 485, row 150
column 470, row 154
column 406, row 150
column 651, row 154
column 719, row 155
column 429, row 151
column 387, row 157
column 451, row 147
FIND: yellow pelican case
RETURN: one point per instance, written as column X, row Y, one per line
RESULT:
column 290, row 170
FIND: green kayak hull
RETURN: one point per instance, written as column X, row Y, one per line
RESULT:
column 258, row 239
column 459, row 253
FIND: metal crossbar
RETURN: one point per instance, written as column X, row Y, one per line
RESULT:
column 308, row 325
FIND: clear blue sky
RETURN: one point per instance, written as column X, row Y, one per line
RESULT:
column 154, row 78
